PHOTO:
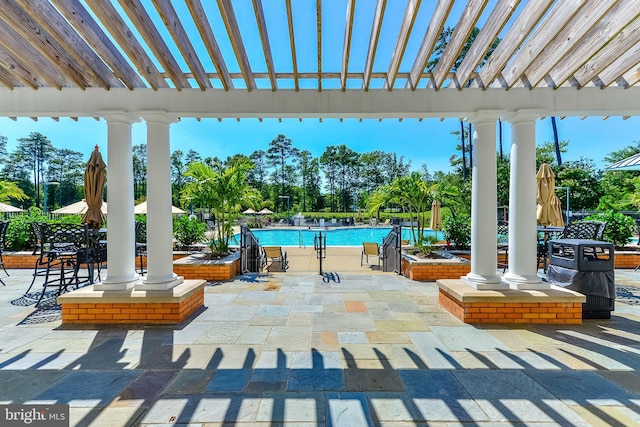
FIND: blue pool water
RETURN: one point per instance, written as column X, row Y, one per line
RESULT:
column 348, row 236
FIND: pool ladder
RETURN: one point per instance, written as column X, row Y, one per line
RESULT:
column 300, row 239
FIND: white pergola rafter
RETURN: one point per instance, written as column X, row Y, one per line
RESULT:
column 541, row 44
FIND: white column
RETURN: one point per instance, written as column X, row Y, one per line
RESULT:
column 523, row 263
column 121, row 273
column 160, row 274
column 484, row 200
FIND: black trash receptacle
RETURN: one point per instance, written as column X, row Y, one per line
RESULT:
column 585, row 266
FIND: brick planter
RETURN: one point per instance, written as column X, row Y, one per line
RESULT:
column 626, row 259
column 552, row 306
column 197, row 267
column 89, row 306
column 430, row 270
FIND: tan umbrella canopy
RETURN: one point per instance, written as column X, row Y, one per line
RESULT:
column 79, row 208
column 546, row 182
column 265, row 211
column 141, row 208
column 95, row 175
column 249, row 212
column 8, row 208
column 436, row 216
column 556, row 212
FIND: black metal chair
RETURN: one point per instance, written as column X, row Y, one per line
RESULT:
column 583, row 230
column 503, row 247
column 64, row 248
column 39, row 248
column 4, row 225
column 141, row 244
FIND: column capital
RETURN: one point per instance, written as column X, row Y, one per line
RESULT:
column 119, row 116
column 521, row 116
column 158, row 116
column 484, row 116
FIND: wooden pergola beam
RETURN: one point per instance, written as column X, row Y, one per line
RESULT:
column 566, row 40
column 612, row 24
column 520, row 29
column 15, row 71
column 348, row 27
column 292, row 43
column 266, row 45
column 206, row 33
column 231, row 23
column 487, row 35
column 401, row 44
column 443, row 8
column 181, row 39
column 459, row 37
column 373, row 42
column 84, row 24
column 121, row 33
column 143, row 23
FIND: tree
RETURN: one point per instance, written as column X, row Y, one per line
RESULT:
column 347, row 162
column 140, row 171
column 582, row 179
column 619, row 186
column 32, row 153
column 257, row 175
column 546, row 153
column 279, row 155
column 329, row 164
column 67, row 168
column 222, row 190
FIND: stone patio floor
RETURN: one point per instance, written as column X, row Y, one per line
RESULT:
column 355, row 349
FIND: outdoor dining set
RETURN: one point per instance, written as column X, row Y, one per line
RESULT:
column 63, row 249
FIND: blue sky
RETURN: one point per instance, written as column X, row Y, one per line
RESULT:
column 429, row 141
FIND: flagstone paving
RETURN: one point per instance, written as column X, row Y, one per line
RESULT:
column 362, row 348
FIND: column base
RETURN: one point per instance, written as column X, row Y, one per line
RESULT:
column 117, row 283
column 519, row 282
column 484, row 283
column 157, row 284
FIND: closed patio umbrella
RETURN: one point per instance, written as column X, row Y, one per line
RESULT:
column 546, row 182
column 556, row 212
column 95, row 175
column 436, row 216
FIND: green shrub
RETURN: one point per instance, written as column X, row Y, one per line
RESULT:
column 619, row 228
column 188, row 231
column 19, row 233
column 456, row 229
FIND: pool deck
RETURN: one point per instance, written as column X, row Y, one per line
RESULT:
column 354, row 348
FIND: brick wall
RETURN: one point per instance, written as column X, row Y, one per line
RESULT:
column 140, row 313
column 513, row 312
column 626, row 259
column 431, row 271
column 193, row 268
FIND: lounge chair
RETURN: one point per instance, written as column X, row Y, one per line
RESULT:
column 276, row 259
column 370, row 249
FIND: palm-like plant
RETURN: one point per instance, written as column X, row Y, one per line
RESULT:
column 10, row 190
column 415, row 195
column 222, row 190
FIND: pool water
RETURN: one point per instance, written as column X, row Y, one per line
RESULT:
column 348, row 236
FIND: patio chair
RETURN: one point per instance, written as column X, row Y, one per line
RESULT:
column 3, row 233
column 503, row 247
column 370, row 249
column 275, row 258
column 141, row 244
column 582, row 230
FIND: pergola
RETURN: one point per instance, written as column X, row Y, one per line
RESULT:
column 163, row 60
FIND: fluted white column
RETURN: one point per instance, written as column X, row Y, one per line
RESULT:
column 121, row 273
column 160, row 274
column 523, row 263
column 484, row 215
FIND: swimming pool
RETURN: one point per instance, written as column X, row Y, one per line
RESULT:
column 347, row 236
